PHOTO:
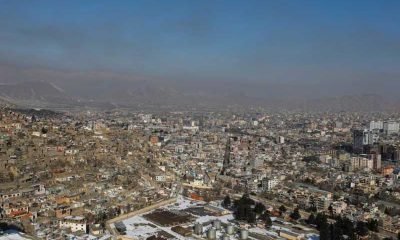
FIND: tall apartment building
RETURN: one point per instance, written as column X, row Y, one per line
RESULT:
column 390, row 127
column 361, row 162
column 376, row 160
column 376, row 125
column 364, row 137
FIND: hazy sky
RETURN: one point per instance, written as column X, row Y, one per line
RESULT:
column 262, row 41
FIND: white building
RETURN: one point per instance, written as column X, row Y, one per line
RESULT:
column 75, row 223
column 391, row 127
column 179, row 149
column 338, row 207
column 376, row 125
column 160, row 178
column 268, row 184
column 71, row 151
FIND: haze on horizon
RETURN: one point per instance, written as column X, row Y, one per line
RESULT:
column 281, row 48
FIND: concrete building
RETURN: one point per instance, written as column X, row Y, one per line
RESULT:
column 391, row 127
column 74, row 223
column 361, row 162
column 376, row 125
column 364, row 137
column 358, row 140
column 268, row 184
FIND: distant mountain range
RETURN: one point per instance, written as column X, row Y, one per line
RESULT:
column 35, row 94
column 177, row 95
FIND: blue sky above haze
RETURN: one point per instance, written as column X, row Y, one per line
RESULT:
column 307, row 41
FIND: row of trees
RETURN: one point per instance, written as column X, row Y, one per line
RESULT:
column 4, row 226
column 246, row 209
column 342, row 227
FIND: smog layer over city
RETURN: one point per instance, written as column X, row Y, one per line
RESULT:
column 211, row 119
